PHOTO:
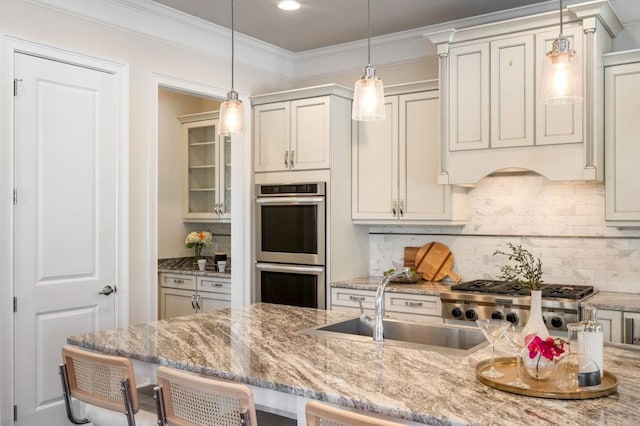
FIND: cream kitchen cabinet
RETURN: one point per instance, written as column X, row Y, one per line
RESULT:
column 491, row 117
column 182, row 294
column 622, row 147
column 611, row 324
column 207, row 169
column 293, row 130
column 408, row 306
column 395, row 163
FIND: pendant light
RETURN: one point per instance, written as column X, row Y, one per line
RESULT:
column 560, row 82
column 368, row 94
column 231, row 110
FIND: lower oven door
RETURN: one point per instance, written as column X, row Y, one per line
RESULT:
column 295, row 285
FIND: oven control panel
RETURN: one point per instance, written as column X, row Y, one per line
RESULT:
column 516, row 311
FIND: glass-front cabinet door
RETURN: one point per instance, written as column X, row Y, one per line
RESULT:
column 207, row 169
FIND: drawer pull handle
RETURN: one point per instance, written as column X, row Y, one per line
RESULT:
column 357, row 298
column 217, row 284
column 413, row 304
column 176, row 281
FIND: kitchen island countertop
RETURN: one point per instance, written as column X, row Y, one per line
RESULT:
column 263, row 345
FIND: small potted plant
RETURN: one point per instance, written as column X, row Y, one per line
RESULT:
column 526, row 270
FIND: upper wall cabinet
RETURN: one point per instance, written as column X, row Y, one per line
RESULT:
column 622, row 145
column 395, row 163
column 207, row 169
column 293, row 130
column 491, row 118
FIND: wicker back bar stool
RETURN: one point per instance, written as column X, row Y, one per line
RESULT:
column 319, row 414
column 107, row 386
column 185, row 399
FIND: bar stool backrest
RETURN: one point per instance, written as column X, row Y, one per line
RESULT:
column 97, row 379
column 319, row 414
column 189, row 400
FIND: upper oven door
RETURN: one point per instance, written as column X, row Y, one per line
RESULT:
column 290, row 230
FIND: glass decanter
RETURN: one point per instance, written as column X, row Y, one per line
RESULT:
column 575, row 371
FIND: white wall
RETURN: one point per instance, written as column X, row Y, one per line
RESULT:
column 560, row 222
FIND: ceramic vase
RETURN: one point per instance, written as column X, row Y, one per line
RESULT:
column 535, row 325
column 538, row 367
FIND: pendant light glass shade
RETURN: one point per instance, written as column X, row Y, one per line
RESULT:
column 368, row 97
column 231, row 110
column 231, row 116
column 368, row 93
column 561, row 81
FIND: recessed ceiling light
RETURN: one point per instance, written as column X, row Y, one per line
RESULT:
column 289, row 5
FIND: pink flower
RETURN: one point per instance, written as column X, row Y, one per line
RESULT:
column 548, row 348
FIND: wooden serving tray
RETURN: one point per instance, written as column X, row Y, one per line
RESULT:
column 540, row 388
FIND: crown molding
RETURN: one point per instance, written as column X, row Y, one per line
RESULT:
column 176, row 28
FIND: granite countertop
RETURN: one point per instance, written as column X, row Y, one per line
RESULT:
column 184, row 265
column 627, row 302
column 262, row 345
column 371, row 283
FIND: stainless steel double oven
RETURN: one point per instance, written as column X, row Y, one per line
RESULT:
column 291, row 244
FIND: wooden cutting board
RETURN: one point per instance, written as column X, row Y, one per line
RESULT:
column 410, row 256
column 435, row 261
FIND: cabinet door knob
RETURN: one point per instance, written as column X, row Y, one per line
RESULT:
column 393, row 207
column 198, row 302
column 193, row 302
column 401, row 208
column 292, row 158
column 286, row 158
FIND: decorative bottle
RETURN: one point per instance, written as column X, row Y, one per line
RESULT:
column 575, row 370
column 591, row 338
column 535, row 325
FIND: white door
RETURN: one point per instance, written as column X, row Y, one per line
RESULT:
column 65, row 176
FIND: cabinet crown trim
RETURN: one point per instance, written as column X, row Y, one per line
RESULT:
column 572, row 14
column 199, row 116
column 303, row 93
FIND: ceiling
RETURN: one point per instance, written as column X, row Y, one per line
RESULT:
column 321, row 23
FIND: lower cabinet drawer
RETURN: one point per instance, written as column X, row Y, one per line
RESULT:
column 215, row 285
column 415, row 304
column 178, row 281
column 351, row 298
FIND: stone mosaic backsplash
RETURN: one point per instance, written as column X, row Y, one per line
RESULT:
column 560, row 222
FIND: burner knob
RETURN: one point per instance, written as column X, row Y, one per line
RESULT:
column 497, row 315
column 512, row 317
column 457, row 313
column 556, row 322
column 471, row 314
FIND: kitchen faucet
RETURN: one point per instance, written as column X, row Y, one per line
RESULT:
column 377, row 325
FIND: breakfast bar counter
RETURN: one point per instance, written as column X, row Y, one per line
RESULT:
column 264, row 346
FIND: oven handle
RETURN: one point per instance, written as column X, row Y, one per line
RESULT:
column 286, row 268
column 289, row 200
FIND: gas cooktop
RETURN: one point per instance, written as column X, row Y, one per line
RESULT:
column 559, row 291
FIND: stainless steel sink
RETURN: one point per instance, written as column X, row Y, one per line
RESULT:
column 432, row 337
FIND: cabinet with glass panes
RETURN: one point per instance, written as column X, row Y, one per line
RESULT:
column 207, row 169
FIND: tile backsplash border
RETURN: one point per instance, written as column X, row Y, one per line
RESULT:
column 560, row 222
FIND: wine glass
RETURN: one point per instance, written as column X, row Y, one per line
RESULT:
column 493, row 330
column 514, row 337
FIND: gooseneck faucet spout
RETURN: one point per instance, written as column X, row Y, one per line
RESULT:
column 379, row 313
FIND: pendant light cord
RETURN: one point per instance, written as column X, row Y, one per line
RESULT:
column 369, row 32
column 232, row 46
column 561, row 32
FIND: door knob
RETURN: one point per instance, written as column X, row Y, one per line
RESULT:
column 107, row 290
